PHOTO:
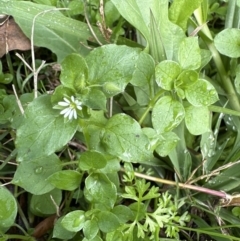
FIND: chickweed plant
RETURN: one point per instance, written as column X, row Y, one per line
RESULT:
column 121, row 122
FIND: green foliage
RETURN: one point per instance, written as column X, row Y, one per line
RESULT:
column 80, row 142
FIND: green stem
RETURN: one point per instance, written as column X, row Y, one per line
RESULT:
column 223, row 110
column 226, row 81
column 18, row 237
column 150, row 105
column 230, row 14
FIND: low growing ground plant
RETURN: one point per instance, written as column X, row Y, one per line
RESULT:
column 120, row 121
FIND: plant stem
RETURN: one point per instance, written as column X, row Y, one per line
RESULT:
column 226, row 81
column 150, row 105
column 182, row 185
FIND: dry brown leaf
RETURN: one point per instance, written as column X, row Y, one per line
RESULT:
column 12, row 37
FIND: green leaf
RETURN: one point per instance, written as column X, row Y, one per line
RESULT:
column 74, row 72
column 93, row 129
column 237, row 79
column 117, row 66
column 74, row 221
column 123, row 138
column 93, row 98
column 167, row 114
column 201, row 93
column 92, row 160
column 65, row 180
column 227, row 42
column 123, row 213
column 227, row 180
column 166, row 143
column 76, row 7
column 144, row 70
column 115, row 235
column 189, row 55
column 107, row 221
column 6, row 78
column 62, row 35
column 186, row 79
column 8, row 209
column 236, row 211
column 90, row 229
column 43, row 130
column 140, row 12
column 43, row 206
column 181, row 10
column 112, row 89
column 60, row 232
column 166, row 72
column 101, row 190
column 32, row 174
column 197, row 119
column 111, row 13
column 206, row 56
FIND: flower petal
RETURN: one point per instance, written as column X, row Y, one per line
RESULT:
column 71, row 114
column 79, row 107
column 68, row 113
column 64, row 111
column 72, row 98
column 75, row 114
column 62, row 103
column 66, row 100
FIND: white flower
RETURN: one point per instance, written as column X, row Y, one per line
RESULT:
column 70, row 107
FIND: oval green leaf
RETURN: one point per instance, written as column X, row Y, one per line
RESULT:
column 101, row 190
column 167, row 114
column 74, row 221
column 8, row 209
column 189, row 55
column 43, row 205
column 66, row 180
column 227, row 42
column 166, row 72
column 60, row 232
column 166, row 143
column 43, row 128
column 201, row 93
column 32, row 175
column 107, row 221
column 92, row 160
column 74, row 72
column 123, row 137
column 197, row 119
column 90, row 229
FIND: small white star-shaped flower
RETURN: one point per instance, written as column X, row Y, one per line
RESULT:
column 71, row 107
